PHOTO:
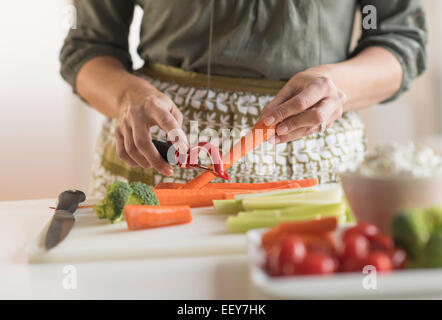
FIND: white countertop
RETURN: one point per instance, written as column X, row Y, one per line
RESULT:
column 207, row 277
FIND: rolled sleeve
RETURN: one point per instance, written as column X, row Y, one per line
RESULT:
column 401, row 29
column 102, row 30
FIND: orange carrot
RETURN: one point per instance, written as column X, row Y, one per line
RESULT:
column 231, row 195
column 246, row 186
column 293, row 227
column 259, row 134
column 143, row 217
column 307, row 182
column 196, row 197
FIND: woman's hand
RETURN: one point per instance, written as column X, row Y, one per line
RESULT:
column 308, row 99
column 140, row 110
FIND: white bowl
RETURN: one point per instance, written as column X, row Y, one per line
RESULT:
column 379, row 199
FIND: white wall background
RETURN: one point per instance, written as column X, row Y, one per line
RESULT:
column 47, row 135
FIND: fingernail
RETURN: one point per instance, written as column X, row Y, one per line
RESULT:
column 269, row 120
column 282, row 130
column 167, row 172
column 274, row 140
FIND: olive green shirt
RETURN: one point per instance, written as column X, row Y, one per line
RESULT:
column 271, row 39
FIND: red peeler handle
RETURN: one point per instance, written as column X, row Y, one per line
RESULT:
column 191, row 162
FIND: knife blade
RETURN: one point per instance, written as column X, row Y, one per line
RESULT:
column 63, row 219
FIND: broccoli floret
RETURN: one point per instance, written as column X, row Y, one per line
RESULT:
column 120, row 194
column 413, row 229
column 111, row 207
column 143, row 194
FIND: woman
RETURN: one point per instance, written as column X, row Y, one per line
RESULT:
column 285, row 62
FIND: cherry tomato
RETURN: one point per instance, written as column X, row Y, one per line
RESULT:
column 381, row 242
column 366, row 229
column 380, row 260
column 355, row 246
column 283, row 257
column 351, row 265
column 316, row 263
column 325, row 243
column 398, row 258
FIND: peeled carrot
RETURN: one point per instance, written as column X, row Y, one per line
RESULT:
column 305, row 183
column 246, row 186
column 259, row 134
column 231, row 195
column 198, row 198
column 144, row 217
column 307, row 226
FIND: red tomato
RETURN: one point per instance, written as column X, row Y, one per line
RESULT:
column 351, row 265
column 398, row 258
column 283, row 257
column 355, row 246
column 366, row 229
column 316, row 263
column 325, row 243
column 380, row 260
column 381, row 242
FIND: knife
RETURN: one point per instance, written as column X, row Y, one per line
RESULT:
column 63, row 219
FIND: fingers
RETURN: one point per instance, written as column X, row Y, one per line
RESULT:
column 311, row 117
column 143, row 143
column 131, row 148
column 169, row 118
column 295, row 134
column 309, row 121
column 308, row 97
column 176, row 113
column 121, row 150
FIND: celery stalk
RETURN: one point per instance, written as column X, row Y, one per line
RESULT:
column 326, row 196
column 331, row 209
column 243, row 224
column 282, row 192
column 227, row 206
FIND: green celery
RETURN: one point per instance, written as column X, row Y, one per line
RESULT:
column 326, row 196
column 227, row 206
column 330, row 209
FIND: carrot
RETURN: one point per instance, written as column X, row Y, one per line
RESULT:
column 246, row 186
column 143, row 217
column 196, row 197
column 307, row 226
column 259, row 134
column 305, row 183
column 231, row 195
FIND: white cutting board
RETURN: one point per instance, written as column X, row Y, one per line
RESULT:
column 92, row 239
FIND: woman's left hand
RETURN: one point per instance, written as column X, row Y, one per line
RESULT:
column 307, row 100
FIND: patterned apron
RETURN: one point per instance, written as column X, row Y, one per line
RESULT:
column 234, row 104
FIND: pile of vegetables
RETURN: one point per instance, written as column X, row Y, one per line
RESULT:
column 419, row 233
column 311, row 247
column 139, row 206
column 267, row 209
column 176, row 194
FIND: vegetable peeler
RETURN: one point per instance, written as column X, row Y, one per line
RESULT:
column 190, row 160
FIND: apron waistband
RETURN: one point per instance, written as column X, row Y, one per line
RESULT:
column 194, row 79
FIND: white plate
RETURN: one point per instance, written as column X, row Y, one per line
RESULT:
column 425, row 283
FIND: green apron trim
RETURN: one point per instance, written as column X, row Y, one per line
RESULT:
column 194, row 79
column 112, row 163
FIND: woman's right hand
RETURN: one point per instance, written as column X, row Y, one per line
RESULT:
column 139, row 111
